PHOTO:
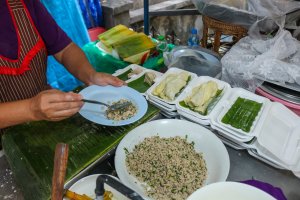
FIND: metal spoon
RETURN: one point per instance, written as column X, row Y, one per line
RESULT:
column 116, row 106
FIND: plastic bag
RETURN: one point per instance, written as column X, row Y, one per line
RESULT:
column 67, row 16
column 252, row 61
column 101, row 61
column 92, row 13
column 247, row 12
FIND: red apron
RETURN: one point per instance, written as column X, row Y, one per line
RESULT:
column 25, row 76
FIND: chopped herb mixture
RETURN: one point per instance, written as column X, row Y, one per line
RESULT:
column 170, row 167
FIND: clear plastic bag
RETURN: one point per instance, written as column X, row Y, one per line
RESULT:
column 247, row 12
column 252, row 61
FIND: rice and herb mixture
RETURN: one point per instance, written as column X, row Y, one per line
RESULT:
column 170, row 167
column 121, row 114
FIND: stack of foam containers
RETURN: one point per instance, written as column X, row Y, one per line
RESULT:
column 168, row 108
column 273, row 138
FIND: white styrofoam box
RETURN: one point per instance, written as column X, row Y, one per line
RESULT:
column 296, row 173
column 133, row 67
column 256, row 126
column 254, row 153
column 195, row 83
column 229, row 133
column 194, row 119
column 280, row 134
column 170, row 71
column 157, row 75
column 161, row 104
column 230, row 142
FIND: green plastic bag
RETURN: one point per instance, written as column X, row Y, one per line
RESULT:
column 101, row 61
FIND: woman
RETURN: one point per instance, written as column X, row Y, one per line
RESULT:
column 27, row 35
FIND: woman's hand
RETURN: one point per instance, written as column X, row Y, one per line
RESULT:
column 54, row 105
column 105, row 79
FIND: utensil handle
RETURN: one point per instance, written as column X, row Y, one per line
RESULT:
column 92, row 101
column 59, row 171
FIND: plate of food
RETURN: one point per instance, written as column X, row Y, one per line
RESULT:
column 170, row 159
column 136, row 109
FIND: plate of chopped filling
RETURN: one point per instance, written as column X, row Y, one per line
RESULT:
column 136, row 105
column 170, row 159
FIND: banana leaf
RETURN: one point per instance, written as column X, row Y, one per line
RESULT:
column 139, row 84
column 30, row 147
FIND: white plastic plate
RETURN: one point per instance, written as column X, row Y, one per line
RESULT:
column 230, row 191
column 214, row 151
column 108, row 94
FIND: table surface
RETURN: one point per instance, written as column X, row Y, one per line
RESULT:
column 242, row 167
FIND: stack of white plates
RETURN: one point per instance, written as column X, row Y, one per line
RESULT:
column 167, row 107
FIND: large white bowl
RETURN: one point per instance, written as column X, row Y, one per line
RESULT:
column 214, row 152
column 230, row 191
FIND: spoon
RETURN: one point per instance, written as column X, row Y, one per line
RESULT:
column 116, row 106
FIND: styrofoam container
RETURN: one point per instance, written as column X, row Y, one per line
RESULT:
column 256, row 126
column 235, row 137
column 227, row 132
column 157, row 75
column 133, row 67
column 170, row 71
column 195, row 83
column 194, row 119
column 254, row 153
column 280, row 135
column 161, row 104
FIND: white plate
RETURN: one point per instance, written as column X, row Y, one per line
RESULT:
column 109, row 94
column 230, row 191
column 214, row 151
column 87, row 186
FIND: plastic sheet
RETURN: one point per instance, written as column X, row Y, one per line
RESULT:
column 252, row 61
column 92, row 13
column 247, row 12
column 67, row 16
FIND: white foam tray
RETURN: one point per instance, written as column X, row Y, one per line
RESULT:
column 133, row 67
column 256, row 126
column 170, row 71
column 195, row 83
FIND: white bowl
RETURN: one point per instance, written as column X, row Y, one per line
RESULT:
column 214, row 152
column 230, row 191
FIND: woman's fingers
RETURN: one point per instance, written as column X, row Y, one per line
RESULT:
column 53, row 105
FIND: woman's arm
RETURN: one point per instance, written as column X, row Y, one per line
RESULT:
column 52, row 105
column 74, row 59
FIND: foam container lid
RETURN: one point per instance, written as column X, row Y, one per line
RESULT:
column 195, row 83
column 170, row 71
column 280, row 135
